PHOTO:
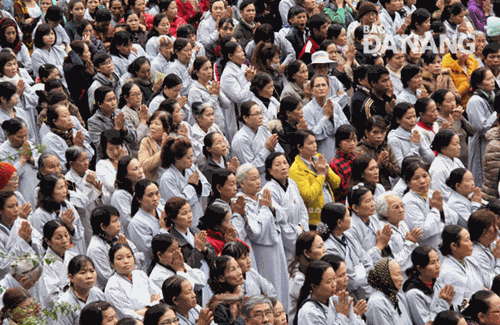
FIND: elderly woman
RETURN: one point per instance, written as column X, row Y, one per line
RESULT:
column 65, row 131
column 465, row 198
column 265, row 228
column 482, row 306
column 314, row 178
column 296, row 73
column 390, row 209
column 387, row 305
column 21, row 274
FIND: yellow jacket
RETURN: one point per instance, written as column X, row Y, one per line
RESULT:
column 311, row 187
column 459, row 77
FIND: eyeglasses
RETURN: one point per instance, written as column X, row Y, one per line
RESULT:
column 14, row 179
column 260, row 314
column 174, row 320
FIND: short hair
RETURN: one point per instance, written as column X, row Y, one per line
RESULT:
column 245, row 109
column 491, row 48
column 45, row 199
column 198, row 63
column 102, row 216
column 246, row 3
column 250, row 303
column 478, row 303
column 54, row 13
column 173, row 150
column 295, row 11
column 172, row 208
column 41, row 31
column 408, row 72
column 235, row 249
column 269, row 163
column 359, row 73
column 199, row 108
column 185, row 30
column 477, row 77
column 292, row 68
column 7, row 90
column 454, row 9
column 442, row 140
column 259, row 82
column 428, row 57
column 242, row 172
column 120, row 38
column 450, row 235
column 110, row 136
column 102, row 15
column 344, row 132
column 115, row 248
column 419, row 16
column 92, row 313
column 264, row 33
column 381, row 205
column 376, row 121
column 375, row 72
column 334, row 31
column 456, row 177
column 100, row 58
column 419, row 257
column 316, row 21
column 72, row 154
column 213, row 217
column 479, row 222
column 136, row 65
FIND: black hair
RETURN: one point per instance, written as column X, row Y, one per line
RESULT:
column 292, row 68
column 160, row 244
column 359, row 73
column 154, row 313
column 227, row 49
column 49, row 229
column 102, row 15
column 344, row 132
column 419, row 16
column 111, row 136
column 246, row 3
column 316, row 21
column 4, row 196
column 494, row 206
column 409, row 167
column 115, row 248
column 287, row 104
column 41, row 31
column 448, row 317
column 120, row 38
column 172, row 209
column 334, row 31
column 170, row 81
column 477, row 77
column 45, row 198
column 6, row 23
column 356, row 195
column 92, row 313
column 259, row 82
column 479, row 222
column 450, row 235
column 313, row 276
column 264, row 33
column 419, row 257
column 102, row 216
column 172, row 288
column 139, row 192
column 214, row 216
column 156, row 22
column 235, row 249
column 408, row 72
column 358, row 166
column 80, row 28
column 179, row 44
column 14, row 125
column 54, row 13
column 100, row 58
column 375, row 72
column 219, row 178
column 399, row 112
column 295, row 11
column 269, row 163
column 478, row 303
column 198, row 63
column 245, row 109
column 439, row 95
column 100, row 94
column 208, row 141
column 491, row 48
column 428, row 57
column 185, row 31
column 218, row 271
column 174, row 149
column 454, row 9
column 136, row 65
column 45, row 70
column 495, row 286
column 334, row 261
column 376, row 121
column 126, row 88
column 5, row 57
column 78, row 263
column 331, row 214
column 421, row 105
column 456, row 177
column 121, row 181
column 442, row 140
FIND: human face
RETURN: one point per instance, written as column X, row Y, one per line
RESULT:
column 280, row 168
column 238, row 57
column 10, row 34
column 85, row 278
column 409, row 120
column 309, row 4
column 371, row 173
column 435, row 66
column 169, row 316
column 467, row 185
column 126, row 49
column 108, row 106
column 173, row 93
column 376, row 136
column 49, row 38
column 86, row 55
column 248, row 14
column 261, row 314
column 233, row 275
column 488, row 83
column 81, row 164
column 133, row 22
column 317, row 250
column 52, row 166
column 296, row 115
column 395, row 210
column 383, row 84
column 185, row 54
column 321, row 69
column 300, row 20
column 320, row 88
column 134, row 171
column 185, row 162
column 44, row 5
column 151, row 198
column 245, row 263
column 492, row 317
column 397, row 61
column 18, row 139
column 134, row 98
column 342, row 278
column 24, row 310
column 490, row 235
column 156, row 127
column 163, row 27
column 187, row 298
column 228, row 191
column 252, row 185
column 116, row 9
column 432, row 269
column 205, row 72
column 332, row 52
column 92, row 5
column 301, row 75
column 177, row 115
column 60, row 191
column 184, row 218
column 12, row 102
column 225, row 224
column 449, row 103
column 255, row 118
column 431, row 114
column 479, row 44
column 140, row 6
column 106, row 68
column 396, row 276
column 425, row 26
column 464, row 246
column 217, row 10
column 366, row 206
column 219, row 146
column 492, row 61
column 420, row 181
column 268, row 90
column 206, row 120
column 113, row 151
column 415, row 82
column 310, row 147
column 172, row 11
column 167, row 50
column 10, row 210
column 225, row 30
column 109, row 317
column 167, row 257
column 279, row 314
column 78, row 11
column 453, row 149
column 124, row 262
column 114, row 227
column 369, row 18
column 348, row 145
column 457, row 19
column 328, row 285
column 63, row 121
column 341, row 40
column 60, row 241
column 144, row 72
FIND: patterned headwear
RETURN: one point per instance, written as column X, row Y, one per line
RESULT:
column 493, row 26
column 380, row 279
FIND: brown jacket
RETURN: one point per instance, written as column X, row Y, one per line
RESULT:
column 150, row 158
column 491, row 165
column 388, row 169
column 430, row 84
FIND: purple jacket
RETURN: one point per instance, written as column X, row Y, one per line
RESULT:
column 476, row 15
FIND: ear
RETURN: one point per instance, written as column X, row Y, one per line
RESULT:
column 218, row 188
column 306, row 255
column 355, row 208
column 175, row 300
column 482, row 318
column 453, row 246
column 102, row 227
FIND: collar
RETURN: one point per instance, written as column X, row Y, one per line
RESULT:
column 284, row 187
column 425, row 126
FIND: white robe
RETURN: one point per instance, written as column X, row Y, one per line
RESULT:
column 98, row 251
column 107, row 174
column 366, row 234
column 463, row 207
column 381, row 310
column 122, row 201
column 182, row 72
column 312, row 313
column 270, row 112
column 295, row 284
column 486, row 262
column 160, row 65
column 291, row 209
column 141, row 230
column 256, row 284
column 401, row 248
column 420, row 306
column 440, row 170
column 173, row 183
column 399, row 139
column 198, row 137
column 54, row 278
column 72, row 317
column 160, row 273
column 324, row 129
column 128, row 296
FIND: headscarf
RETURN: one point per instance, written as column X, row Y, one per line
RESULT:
column 7, row 22
column 380, row 279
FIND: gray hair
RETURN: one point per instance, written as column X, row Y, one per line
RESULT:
column 242, row 172
column 164, row 41
column 477, row 32
column 253, row 301
column 198, row 108
column 72, row 154
column 381, row 205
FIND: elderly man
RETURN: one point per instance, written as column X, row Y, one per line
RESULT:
column 258, row 310
column 263, row 227
column 22, row 274
column 390, row 209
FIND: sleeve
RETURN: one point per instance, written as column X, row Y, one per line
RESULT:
column 120, row 202
column 336, row 16
column 132, row 133
column 48, row 286
column 418, row 307
column 266, row 288
column 37, row 61
column 403, row 257
column 309, row 190
column 438, row 305
column 309, row 313
column 391, row 164
column 117, row 297
column 430, row 224
column 261, row 227
column 333, row 179
column 378, row 313
column 286, row 48
column 478, row 116
column 95, row 130
column 242, row 149
column 140, row 234
column 196, row 276
column 55, row 145
column 99, row 256
column 106, row 176
column 322, row 129
column 397, row 148
column 10, row 249
column 78, row 237
column 86, row 142
column 147, row 160
column 169, row 187
column 426, row 152
column 234, row 90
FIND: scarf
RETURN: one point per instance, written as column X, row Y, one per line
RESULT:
column 66, row 135
column 490, row 97
column 341, row 165
column 380, row 279
column 10, row 23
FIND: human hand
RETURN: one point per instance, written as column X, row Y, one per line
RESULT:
column 250, row 73
column 477, row 196
column 239, row 205
column 78, row 139
column 344, row 305
column 328, row 109
column 120, row 121
column 383, row 157
column 271, row 142
column 67, row 217
column 447, row 293
column 361, row 307
column 302, row 125
column 194, row 178
column 182, row 100
column 266, row 200
column 233, row 164
column 183, row 131
column 143, row 114
column 121, row 239
column 383, row 237
column 230, row 234
column 178, row 261
column 321, row 165
column 200, row 240
column 415, row 137
column 25, row 210
column 25, row 231
column 436, row 201
column 20, row 87
column 205, row 317
column 414, row 235
column 155, row 297
column 214, row 88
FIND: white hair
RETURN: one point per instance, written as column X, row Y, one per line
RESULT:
column 381, row 204
column 242, row 172
column 253, row 301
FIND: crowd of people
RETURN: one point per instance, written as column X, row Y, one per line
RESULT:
column 264, row 162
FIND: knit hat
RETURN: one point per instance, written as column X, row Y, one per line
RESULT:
column 493, row 26
column 6, row 171
column 365, row 8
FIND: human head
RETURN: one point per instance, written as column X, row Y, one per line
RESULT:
column 240, row 252
column 111, row 144
column 81, row 272
column 376, row 130
column 77, row 159
column 8, row 94
column 214, row 145
column 425, row 263
column 177, row 150
column 48, row 163
column 56, row 236
column 483, row 307
column 248, row 178
column 364, row 169
column 346, row 139
column 420, row 20
column 54, row 16
column 320, row 280
column 318, row 25
column 446, row 142
column 104, row 64
column 482, row 78
column 449, row 317
column 105, row 221
column 482, row 227
column 257, row 310
column 203, row 114
column 163, row 246
column 121, row 258
column 121, row 44
column 333, row 215
column 44, row 29
column 361, row 201
column 53, row 192
column 215, row 218
column 277, row 167
column 290, row 109
column 18, row 304
column 99, row 313
column 456, row 242
column 140, row 68
column 158, row 314
column 378, row 78
column 146, row 196
column 9, row 35
column 225, row 275
column 296, row 71
column 223, row 185
column 6, row 172
column 128, row 173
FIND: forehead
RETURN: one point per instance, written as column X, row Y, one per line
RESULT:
column 261, row 307
column 393, row 199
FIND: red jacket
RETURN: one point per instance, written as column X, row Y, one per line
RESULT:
column 176, row 24
column 149, row 20
column 216, row 239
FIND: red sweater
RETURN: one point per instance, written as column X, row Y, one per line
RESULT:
column 216, row 239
